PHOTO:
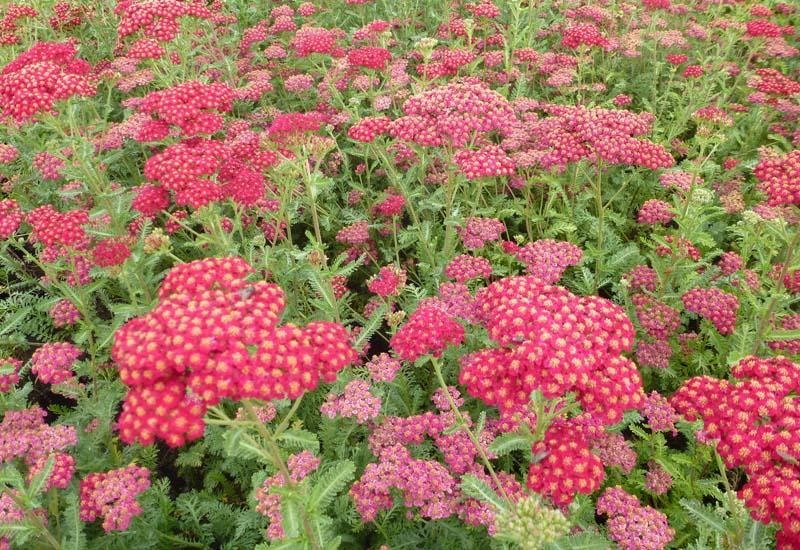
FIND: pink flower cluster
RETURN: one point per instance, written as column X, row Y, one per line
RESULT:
column 25, row 434
column 199, row 338
column 64, row 313
column 631, row 525
column 478, row 231
column 654, row 212
column 383, row 367
column 9, row 380
column 112, row 496
column 570, row 134
column 465, row 268
column 52, row 363
column 454, row 113
column 356, row 402
column 547, row 259
column 487, row 162
column 10, row 218
column 716, row 305
column 268, row 503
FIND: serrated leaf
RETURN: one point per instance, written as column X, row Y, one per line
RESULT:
column 782, row 335
column 480, row 490
column 300, row 439
column 40, row 479
column 703, row 515
column 506, row 443
column 291, row 522
column 73, row 538
column 329, row 484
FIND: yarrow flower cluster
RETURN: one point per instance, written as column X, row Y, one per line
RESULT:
column 487, row 162
column 556, row 342
column 754, row 419
column 454, row 113
column 465, row 268
column 192, row 106
column 214, row 335
column 389, row 281
column 478, row 231
column 9, row 379
column 24, row 434
column 112, row 496
column 631, row 525
column 429, row 330
column 52, row 363
column 547, row 259
column 571, row 134
column 268, row 503
column 37, row 78
column 64, row 313
column 383, row 367
column 716, row 305
column 356, row 402
column 780, row 178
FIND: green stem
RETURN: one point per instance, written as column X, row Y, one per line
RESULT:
column 765, row 319
column 463, row 425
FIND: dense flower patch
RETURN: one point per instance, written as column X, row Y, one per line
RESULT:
column 371, row 274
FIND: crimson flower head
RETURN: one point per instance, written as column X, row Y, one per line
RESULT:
column 215, row 335
column 429, row 330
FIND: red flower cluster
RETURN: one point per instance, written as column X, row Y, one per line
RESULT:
column 201, row 171
column 10, row 218
column 429, row 330
column 110, row 252
column 369, row 128
column 567, row 467
column 8, row 23
column 308, row 40
column 35, row 80
column 713, row 304
column 772, row 81
column 217, row 335
column 369, row 57
column 51, row 227
column 389, row 281
column 487, row 162
column 755, row 420
column 556, row 342
column 156, row 18
column 780, row 178
column 191, row 106
column 583, row 34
